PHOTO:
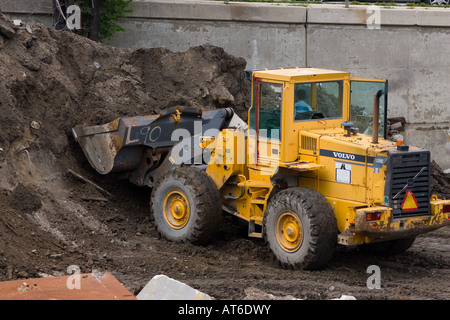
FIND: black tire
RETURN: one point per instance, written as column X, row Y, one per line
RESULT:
column 437, row 3
column 310, row 209
column 191, row 191
column 390, row 247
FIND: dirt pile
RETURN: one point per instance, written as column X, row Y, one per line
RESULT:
column 440, row 181
column 51, row 81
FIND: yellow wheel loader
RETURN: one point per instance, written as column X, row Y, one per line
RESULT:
column 312, row 167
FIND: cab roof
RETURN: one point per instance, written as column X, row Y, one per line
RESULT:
column 299, row 74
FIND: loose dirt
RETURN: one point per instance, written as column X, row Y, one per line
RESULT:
column 51, row 81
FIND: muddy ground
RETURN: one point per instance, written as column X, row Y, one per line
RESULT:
column 49, row 219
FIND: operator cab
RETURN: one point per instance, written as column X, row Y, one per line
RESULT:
column 287, row 101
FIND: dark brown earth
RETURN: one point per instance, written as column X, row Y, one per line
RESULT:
column 50, row 220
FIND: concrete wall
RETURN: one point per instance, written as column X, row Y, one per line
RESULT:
column 29, row 10
column 410, row 47
column 263, row 36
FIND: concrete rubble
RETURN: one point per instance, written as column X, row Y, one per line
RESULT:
column 161, row 287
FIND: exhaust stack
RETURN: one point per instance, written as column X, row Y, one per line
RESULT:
column 376, row 115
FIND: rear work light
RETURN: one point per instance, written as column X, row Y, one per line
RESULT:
column 446, row 208
column 373, row 216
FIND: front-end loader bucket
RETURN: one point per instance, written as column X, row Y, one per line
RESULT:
column 101, row 144
column 138, row 145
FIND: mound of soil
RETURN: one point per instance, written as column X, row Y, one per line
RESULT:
column 440, row 181
column 50, row 82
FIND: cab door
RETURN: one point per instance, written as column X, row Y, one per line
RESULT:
column 265, row 118
column 362, row 96
column 362, row 93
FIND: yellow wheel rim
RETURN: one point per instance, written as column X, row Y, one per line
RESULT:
column 176, row 209
column 289, row 231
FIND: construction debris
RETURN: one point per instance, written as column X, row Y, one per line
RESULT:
column 258, row 294
column 396, row 124
column 162, row 287
column 80, row 177
column 92, row 286
column 345, row 297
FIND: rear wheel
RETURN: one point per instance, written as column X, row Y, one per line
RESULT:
column 300, row 228
column 186, row 205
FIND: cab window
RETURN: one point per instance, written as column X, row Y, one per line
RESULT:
column 361, row 105
column 318, row 100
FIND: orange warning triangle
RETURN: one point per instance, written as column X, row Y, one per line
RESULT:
column 409, row 202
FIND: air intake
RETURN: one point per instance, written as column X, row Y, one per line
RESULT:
column 308, row 143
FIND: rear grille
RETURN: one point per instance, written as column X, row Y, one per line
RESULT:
column 409, row 171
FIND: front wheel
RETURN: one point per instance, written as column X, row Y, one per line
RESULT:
column 186, row 206
column 300, row 228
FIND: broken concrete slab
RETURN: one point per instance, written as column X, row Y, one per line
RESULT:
column 161, row 287
column 258, row 294
column 345, row 297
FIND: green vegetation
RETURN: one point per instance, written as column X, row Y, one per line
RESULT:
column 113, row 11
column 100, row 24
column 422, row 4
